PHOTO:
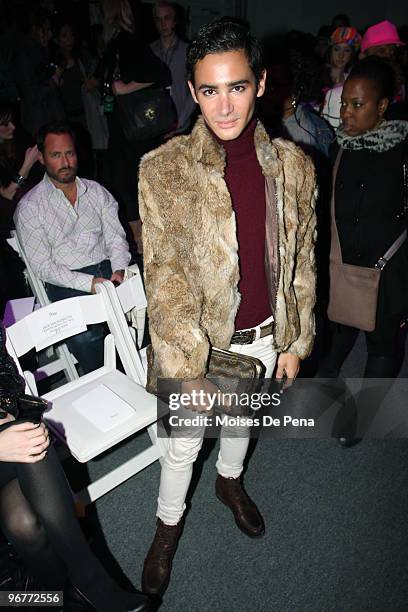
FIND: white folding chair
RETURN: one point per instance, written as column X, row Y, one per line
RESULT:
column 88, row 432
column 59, row 359
column 136, row 315
column 129, row 298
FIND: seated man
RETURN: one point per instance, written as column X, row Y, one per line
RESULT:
column 70, row 231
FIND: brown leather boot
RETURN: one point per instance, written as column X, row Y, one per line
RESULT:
column 157, row 565
column 247, row 516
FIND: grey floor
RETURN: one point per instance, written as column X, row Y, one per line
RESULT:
column 336, row 528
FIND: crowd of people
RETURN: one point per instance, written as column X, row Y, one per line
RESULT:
column 222, row 216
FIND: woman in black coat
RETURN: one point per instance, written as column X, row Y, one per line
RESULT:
column 370, row 212
column 130, row 65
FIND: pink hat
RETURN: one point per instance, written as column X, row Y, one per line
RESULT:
column 383, row 33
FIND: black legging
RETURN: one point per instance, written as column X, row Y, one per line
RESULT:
column 37, row 515
column 381, row 349
column 382, row 364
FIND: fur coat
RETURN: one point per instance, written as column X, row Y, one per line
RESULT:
column 191, row 249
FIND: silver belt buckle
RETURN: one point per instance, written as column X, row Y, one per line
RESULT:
column 243, row 337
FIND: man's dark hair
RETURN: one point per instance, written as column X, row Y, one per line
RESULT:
column 53, row 127
column 377, row 70
column 226, row 34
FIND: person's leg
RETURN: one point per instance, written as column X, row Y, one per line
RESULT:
column 233, row 448
column 342, row 341
column 176, row 472
column 45, row 488
column 382, row 349
column 24, row 531
column 234, row 441
column 379, row 374
column 177, row 469
column 177, row 465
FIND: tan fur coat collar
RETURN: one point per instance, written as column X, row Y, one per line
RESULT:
column 208, row 152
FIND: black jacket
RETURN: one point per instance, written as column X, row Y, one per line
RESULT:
column 368, row 206
column 11, row 383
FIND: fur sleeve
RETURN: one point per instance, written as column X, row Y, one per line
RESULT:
column 304, row 282
column 180, row 348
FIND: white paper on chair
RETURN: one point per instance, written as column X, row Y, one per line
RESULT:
column 135, row 296
column 56, row 322
column 103, row 408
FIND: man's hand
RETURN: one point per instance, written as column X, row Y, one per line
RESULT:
column 117, row 276
column 24, row 443
column 95, row 280
column 288, row 365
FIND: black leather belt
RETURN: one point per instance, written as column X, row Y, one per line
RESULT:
column 248, row 336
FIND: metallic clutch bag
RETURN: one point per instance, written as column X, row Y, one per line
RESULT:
column 231, row 373
column 235, row 375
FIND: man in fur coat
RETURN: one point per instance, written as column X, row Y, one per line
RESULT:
column 228, row 232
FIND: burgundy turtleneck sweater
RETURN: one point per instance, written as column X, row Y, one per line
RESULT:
column 246, row 185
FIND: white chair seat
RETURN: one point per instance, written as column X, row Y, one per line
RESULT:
column 69, row 417
column 77, row 431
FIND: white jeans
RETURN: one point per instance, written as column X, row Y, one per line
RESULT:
column 177, row 465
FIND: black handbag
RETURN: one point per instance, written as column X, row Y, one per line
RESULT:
column 13, row 400
column 27, row 409
column 146, row 113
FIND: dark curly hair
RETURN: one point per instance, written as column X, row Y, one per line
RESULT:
column 226, row 34
column 377, row 70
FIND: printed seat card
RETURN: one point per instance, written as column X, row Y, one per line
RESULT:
column 56, row 322
column 103, row 408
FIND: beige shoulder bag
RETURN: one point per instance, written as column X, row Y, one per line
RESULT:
column 354, row 289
